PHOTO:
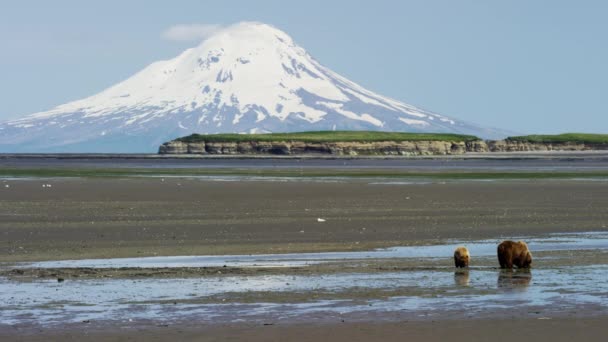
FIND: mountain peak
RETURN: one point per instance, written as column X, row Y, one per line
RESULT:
column 249, row 77
column 252, row 29
column 247, row 35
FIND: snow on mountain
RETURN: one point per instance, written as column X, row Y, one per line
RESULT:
column 249, row 77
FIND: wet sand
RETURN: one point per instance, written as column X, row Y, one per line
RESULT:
column 96, row 218
column 403, row 283
column 81, row 218
column 509, row 329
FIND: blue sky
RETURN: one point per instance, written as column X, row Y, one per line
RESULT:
column 525, row 66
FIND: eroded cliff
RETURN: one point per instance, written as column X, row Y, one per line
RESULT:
column 405, row 148
column 334, row 148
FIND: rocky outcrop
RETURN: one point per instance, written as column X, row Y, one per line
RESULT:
column 522, row 146
column 174, row 147
column 387, row 148
column 477, row 146
column 299, row 147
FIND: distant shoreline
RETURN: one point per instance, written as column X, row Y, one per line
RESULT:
column 468, row 155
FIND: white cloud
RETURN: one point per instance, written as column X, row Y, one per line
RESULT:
column 190, row 32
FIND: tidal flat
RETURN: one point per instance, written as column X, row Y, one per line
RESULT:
column 177, row 253
column 79, row 218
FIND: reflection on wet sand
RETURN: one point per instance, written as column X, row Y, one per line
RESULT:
column 461, row 277
column 260, row 298
column 514, row 279
column 259, row 288
column 553, row 242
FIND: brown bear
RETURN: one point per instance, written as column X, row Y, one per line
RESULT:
column 514, row 253
column 461, row 257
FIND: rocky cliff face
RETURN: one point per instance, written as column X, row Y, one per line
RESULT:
column 519, row 146
column 334, row 148
column 405, row 148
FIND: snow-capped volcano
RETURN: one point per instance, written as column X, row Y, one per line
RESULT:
column 249, row 77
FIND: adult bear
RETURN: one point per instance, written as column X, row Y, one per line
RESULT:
column 461, row 257
column 514, row 253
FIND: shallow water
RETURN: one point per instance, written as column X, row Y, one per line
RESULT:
column 515, row 161
column 437, row 292
column 555, row 242
column 419, row 292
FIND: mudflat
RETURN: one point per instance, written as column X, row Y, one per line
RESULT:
column 76, row 218
column 557, row 329
column 368, row 297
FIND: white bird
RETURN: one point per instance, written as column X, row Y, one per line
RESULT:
column 320, row 220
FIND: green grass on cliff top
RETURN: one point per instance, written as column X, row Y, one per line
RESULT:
column 584, row 138
column 329, row 136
